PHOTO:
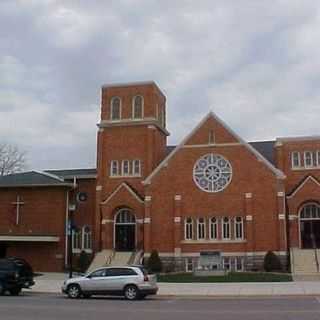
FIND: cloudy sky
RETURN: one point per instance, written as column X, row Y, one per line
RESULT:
column 255, row 63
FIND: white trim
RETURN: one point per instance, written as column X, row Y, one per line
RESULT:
column 125, row 224
column 224, row 254
column 185, row 228
column 98, row 188
column 305, row 157
column 140, row 221
column 293, row 166
column 105, row 221
column 281, row 216
column 210, row 145
column 142, row 106
column 123, row 184
column 216, row 224
column 147, row 198
column 222, row 228
column 147, row 220
column 111, row 108
column 30, row 238
column 248, row 195
column 177, row 197
column 301, row 138
column 218, row 241
column 276, row 171
column 177, row 219
column 50, row 175
column 122, row 168
column 235, row 223
column 293, row 217
column 249, row 218
column 204, row 228
column 302, row 184
column 280, row 194
column 112, row 162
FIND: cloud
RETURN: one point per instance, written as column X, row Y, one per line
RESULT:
column 255, row 63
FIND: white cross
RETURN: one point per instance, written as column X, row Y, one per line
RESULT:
column 18, row 203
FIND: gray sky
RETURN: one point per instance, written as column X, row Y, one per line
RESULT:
column 255, row 63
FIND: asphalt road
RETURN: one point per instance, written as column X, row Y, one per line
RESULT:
column 32, row 306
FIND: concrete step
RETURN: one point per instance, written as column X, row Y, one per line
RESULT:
column 101, row 259
column 304, row 262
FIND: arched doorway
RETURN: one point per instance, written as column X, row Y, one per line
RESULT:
column 125, row 230
column 310, row 226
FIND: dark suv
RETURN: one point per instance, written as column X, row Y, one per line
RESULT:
column 15, row 274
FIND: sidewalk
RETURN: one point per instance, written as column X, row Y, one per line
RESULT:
column 51, row 283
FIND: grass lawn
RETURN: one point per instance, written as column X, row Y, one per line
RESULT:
column 230, row 277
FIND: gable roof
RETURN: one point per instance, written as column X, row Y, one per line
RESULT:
column 279, row 174
column 32, row 179
column 300, row 185
column 78, row 173
column 131, row 190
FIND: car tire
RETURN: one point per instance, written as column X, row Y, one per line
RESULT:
column 131, row 292
column 15, row 291
column 74, row 291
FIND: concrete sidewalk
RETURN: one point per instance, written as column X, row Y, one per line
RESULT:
column 51, row 283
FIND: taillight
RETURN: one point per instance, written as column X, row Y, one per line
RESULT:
column 145, row 278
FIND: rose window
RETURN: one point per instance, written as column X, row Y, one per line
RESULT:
column 212, row 173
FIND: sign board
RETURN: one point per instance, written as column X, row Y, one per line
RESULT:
column 210, row 260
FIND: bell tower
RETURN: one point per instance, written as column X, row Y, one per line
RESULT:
column 132, row 137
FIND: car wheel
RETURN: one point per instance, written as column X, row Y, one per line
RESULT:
column 15, row 291
column 131, row 292
column 74, row 291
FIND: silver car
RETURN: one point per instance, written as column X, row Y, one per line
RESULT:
column 132, row 282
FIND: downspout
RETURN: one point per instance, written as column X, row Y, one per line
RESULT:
column 66, row 231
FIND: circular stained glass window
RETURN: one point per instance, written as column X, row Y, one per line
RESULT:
column 212, row 173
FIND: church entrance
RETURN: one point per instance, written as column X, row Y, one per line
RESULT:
column 125, row 231
column 310, row 226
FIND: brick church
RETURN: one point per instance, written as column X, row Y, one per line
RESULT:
column 212, row 193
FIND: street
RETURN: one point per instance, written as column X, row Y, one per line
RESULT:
column 31, row 306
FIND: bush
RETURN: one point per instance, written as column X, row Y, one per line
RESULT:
column 83, row 261
column 154, row 262
column 272, row 262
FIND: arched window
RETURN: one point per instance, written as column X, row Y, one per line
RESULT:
column 188, row 229
column 310, row 211
column 137, row 107
column 86, row 238
column 201, row 229
column 238, row 228
column 213, row 228
column 125, row 216
column 226, row 232
column 115, row 108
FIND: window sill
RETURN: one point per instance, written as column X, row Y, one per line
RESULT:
column 79, row 250
column 305, row 168
column 212, row 241
column 128, row 176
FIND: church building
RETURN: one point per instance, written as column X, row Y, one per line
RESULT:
column 214, row 193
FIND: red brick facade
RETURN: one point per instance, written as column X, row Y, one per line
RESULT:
column 146, row 196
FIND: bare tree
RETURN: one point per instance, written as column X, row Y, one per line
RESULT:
column 11, row 159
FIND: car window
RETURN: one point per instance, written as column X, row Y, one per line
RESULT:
column 113, row 272
column 98, row 273
column 6, row 265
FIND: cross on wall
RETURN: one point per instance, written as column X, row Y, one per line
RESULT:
column 18, row 203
